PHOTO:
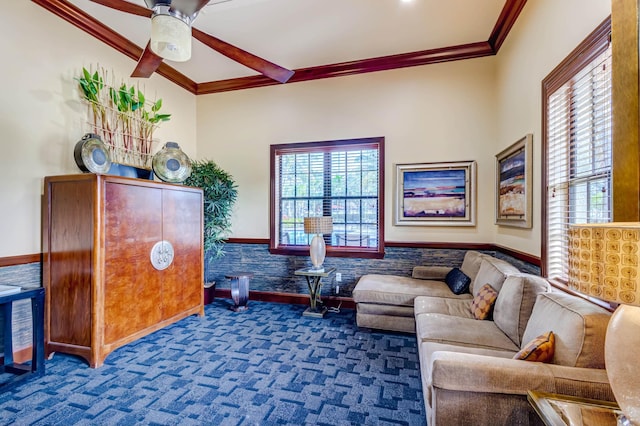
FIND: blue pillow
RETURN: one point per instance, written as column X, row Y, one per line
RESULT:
column 457, row 281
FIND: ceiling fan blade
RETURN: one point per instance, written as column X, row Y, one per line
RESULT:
column 125, row 6
column 147, row 64
column 269, row 69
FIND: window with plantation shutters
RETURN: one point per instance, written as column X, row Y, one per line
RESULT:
column 341, row 179
column 576, row 147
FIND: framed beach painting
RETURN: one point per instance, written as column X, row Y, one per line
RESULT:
column 513, row 180
column 436, row 194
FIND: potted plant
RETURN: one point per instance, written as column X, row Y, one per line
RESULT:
column 219, row 195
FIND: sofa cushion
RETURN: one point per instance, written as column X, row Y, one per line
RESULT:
column 386, row 322
column 539, row 349
column 515, row 303
column 471, row 263
column 457, row 281
column 492, row 271
column 437, row 273
column 462, row 332
column 578, row 325
column 426, row 350
column 439, row 305
column 397, row 290
column 482, row 303
column 388, row 310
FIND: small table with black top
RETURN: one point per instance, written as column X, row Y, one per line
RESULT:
column 314, row 281
column 36, row 368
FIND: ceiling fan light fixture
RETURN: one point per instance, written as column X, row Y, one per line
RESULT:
column 170, row 35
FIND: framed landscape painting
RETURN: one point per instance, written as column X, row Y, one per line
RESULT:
column 513, row 179
column 436, row 194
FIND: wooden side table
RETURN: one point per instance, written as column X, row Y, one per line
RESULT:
column 565, row 410
column 314, row 281
column 22, row 371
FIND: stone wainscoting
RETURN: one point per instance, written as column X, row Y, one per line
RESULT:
column 275, row 273
column 25, row 275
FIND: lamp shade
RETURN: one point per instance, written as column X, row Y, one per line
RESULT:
column 171, row 38
column 317, row 248
column 603, row 262
column 318, row 225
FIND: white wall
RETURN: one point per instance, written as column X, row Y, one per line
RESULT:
column 447, row 112
column 434, row 113
column 41, row 117
column 544, row 34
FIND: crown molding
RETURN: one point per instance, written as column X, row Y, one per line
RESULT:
column 505, row 22
column 95, row 28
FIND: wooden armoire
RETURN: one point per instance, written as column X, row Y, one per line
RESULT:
column 108, row 269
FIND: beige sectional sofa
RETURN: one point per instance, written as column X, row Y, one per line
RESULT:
column 386, row 301
column 468, row 374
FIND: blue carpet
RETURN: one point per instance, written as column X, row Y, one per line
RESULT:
column 266, row 366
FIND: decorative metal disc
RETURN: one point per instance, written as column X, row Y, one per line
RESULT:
column 92, row 155
column 170, row 164
column 161, row 255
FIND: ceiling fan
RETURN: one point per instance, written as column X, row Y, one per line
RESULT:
column 171, row 33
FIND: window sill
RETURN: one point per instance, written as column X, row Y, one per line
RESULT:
column 562, row 286
column 352, row 252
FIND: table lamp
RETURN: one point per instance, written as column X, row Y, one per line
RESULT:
column 603, row 262
column 317, row 250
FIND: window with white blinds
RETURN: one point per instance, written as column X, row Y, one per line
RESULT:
column 341, row 179
column 577, row 148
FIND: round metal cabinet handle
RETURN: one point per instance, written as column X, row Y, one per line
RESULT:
column 161, row 255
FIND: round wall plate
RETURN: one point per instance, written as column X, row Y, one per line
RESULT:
column 91, row 154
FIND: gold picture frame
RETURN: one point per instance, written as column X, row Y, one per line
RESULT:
column 513, row 184
column 436, row 194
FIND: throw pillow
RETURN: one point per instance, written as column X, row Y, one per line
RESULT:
column 482, row 304
column 539, row 349
column 457, row 281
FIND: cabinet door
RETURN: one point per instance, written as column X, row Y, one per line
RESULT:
column 70, row 244
column 132, row 286
column 182, row 285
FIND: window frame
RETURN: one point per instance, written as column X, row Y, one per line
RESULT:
column 332, row 251
column 587, row 51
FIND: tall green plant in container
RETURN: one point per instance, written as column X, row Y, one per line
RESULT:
column 219, row 195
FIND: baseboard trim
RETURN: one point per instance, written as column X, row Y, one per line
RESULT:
column 289, row 298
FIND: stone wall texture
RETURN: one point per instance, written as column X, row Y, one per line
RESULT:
column 276, row 272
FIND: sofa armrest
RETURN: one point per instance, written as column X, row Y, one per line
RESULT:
column 584, row 382
column 480, row 373
column 436, row 273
